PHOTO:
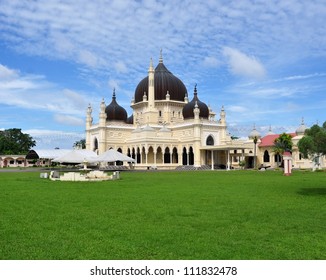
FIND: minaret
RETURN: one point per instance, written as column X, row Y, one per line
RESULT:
column 150, row 114
column 197, row 133
column 222, row 123
column 222, row 115
column 89, row 121
column 102, row 128
column 151, row 92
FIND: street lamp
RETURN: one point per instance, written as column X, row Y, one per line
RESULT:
column 255, row 136
column 255, row 139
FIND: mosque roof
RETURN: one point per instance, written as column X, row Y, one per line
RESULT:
column 188, row 109
column 114, row 112
column 164, row 82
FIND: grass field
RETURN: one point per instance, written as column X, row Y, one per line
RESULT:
column 165, row 215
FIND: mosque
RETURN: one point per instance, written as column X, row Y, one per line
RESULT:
column 169, row 129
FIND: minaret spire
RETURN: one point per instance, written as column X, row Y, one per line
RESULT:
column 151, row 68
column 161, row 57
column 113, row 95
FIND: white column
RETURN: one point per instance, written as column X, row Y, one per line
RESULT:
column 212, row 159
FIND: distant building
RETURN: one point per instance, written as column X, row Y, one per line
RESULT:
column 12, row 161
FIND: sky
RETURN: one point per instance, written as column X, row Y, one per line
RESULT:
column 264, row 61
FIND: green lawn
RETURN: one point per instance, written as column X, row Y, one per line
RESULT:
column 165, row 215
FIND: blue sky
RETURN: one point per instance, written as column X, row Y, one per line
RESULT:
column 265, row 61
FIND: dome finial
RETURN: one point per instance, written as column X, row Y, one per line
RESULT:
column 195, row 89
column 113, row 95
column 161, row 57
column 302, row 121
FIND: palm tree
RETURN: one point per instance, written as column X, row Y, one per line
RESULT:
column 282, row 144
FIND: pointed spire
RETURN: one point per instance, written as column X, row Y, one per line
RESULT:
column 151, row 67
column 102, row 106
column 113, row 95
column 89, row 108
column 195, row 90
column 161, row 57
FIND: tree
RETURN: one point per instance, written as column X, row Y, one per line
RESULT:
column 14, row 142
column 282, row 144
column 80, row 144
column 313, row 143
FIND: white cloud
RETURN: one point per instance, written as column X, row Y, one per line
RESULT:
column 88, row 58
column 121, row 67
column 69, row 120
column 34, row 92
column 50, row 139
column 211, row 62
column 76, row 99
column 237, row 109
column 243, row 65
column 6, row 73
column 113, row 84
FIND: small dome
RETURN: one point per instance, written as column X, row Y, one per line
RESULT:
column 254, row 133
column 114, row 112
column 188, row 109
column 164, row 82
column 301, row 129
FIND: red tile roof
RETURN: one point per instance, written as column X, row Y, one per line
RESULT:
column 268, row 140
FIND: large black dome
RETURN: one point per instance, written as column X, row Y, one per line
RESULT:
column 114, row 112
column 188, row 109
column 164, row 81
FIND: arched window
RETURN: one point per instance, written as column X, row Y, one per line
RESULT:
column 119, row 162
column 210, row 141
column 95, row 144
column 266, row 156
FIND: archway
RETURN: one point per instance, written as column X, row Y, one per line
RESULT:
column 159, row 158
column 175, row 155
column 191, row 156
column 184, row 156
column 150, row 155
column 138, row 156
column 167, row 157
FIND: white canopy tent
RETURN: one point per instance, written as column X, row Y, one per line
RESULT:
column 46, row 154
column 77, row 156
